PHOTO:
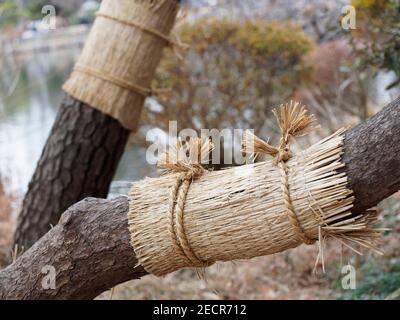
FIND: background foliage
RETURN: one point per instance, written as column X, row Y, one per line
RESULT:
column 232, row 75
column 376, row 41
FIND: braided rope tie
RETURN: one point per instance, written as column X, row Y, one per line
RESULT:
column 282, row 156
column 176, row 227
column 174, row 44
column 151, row 31
column 293, row 120
column 185, row 159
column 291, row 213
column 118, row 82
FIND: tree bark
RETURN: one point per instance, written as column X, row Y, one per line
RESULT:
column 79, row 160
column 90, row 247
column 372, row 157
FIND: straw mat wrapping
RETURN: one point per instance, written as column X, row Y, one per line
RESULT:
column 116, row 67
column 240, row 213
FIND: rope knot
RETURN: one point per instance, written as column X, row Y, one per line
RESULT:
column 293, row 120
column 186, row 159
column 284, row 155
column 194, row 173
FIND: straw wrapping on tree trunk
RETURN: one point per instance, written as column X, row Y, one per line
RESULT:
column 240, row 213
column 117, row 64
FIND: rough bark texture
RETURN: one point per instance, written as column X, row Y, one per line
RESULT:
column 90, row 246
column 372, row 157
column 79, row 160
column 89, row 249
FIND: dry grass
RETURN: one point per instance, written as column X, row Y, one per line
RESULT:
column 281, row 276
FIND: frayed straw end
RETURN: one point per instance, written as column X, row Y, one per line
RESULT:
column 252, row 144
column 294, row 120
column 185, row 155
column 354, row 233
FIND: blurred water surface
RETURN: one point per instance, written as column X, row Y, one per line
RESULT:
column 30, row 94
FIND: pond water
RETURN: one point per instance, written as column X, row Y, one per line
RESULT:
column 30, row 94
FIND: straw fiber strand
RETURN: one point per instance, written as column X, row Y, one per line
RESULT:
column 116, row 67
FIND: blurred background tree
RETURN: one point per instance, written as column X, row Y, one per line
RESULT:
column 346, row 80
column 10, row 13
column 13, row 12
column 337, row 94
column 232, row 75
column 376, row 40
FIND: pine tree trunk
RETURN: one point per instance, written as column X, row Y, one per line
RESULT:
column 85, row 145
column 79, row 160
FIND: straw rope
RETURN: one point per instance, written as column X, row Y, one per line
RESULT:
column 142, row 27
column 291, row 213
column 145, row 92
column 191, row 169
column 180, row 229
column 175, row 45
column 118, row 82
column 293, row 120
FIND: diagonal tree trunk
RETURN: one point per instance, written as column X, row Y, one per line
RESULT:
column 90, row 248
column 372, row 157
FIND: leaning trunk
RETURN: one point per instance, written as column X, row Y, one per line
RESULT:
column 86, row 143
